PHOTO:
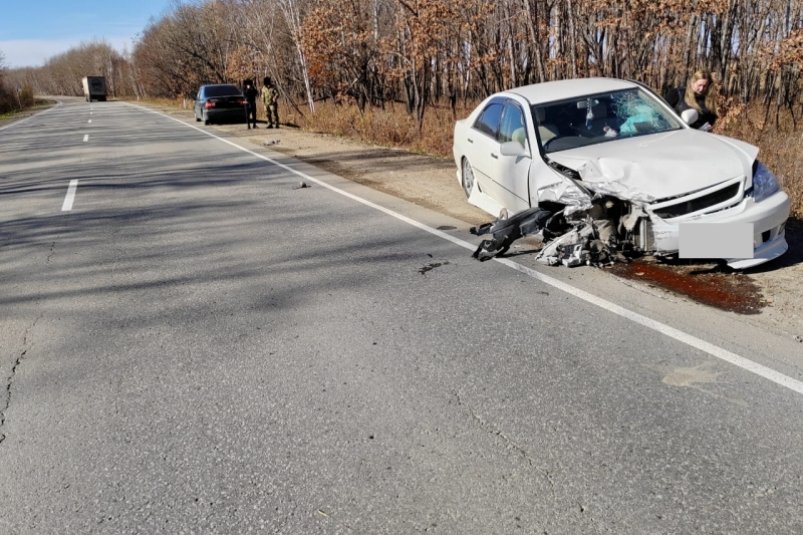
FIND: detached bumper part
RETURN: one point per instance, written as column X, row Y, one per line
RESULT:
column 506, row 231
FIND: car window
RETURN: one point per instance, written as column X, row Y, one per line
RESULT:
column 512, row 125
column 488, row 121
column 599, row 118
column 221, row 90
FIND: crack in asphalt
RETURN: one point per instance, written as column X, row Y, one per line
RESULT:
column 50, row 253
column 523, row 453
column 6, row 401
column 547, row 475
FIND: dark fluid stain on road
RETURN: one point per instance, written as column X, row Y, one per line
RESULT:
column 734, row 292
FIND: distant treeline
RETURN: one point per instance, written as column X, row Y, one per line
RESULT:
column 62, row 74
column 425, row 52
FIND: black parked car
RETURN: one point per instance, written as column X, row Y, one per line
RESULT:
column 217, row 103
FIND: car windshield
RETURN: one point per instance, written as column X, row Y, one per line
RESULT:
column 221, row 90
column 599, row 118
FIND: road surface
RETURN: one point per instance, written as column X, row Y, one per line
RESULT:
column 192, row 343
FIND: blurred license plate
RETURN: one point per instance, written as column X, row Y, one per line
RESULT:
column 715, row 240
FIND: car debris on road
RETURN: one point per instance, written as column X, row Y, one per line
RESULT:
column 570, row 243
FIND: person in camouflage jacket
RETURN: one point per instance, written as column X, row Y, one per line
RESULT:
column 270, row 98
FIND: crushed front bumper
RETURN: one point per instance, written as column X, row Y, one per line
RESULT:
column 767, row 218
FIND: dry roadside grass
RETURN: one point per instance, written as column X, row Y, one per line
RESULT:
column 39, row 105
column 390, row 126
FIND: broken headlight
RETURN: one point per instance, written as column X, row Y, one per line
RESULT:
column 764, row 182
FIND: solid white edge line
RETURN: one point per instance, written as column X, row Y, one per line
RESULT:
column 676, row 334
column 69, row 199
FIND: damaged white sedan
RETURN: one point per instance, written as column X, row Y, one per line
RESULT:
column 602, row 167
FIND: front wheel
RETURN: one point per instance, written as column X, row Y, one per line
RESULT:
column 467, row 177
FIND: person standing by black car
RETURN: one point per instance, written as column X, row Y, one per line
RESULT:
column 251, row 94
column 270, row 98
column 698, row 95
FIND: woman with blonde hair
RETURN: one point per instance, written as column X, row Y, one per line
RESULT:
column 697, row 95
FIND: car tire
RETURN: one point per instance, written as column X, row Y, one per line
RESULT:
column 206, row 119
column 197, row 119
column 467, row 177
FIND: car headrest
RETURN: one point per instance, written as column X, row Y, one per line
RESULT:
column 540, row 115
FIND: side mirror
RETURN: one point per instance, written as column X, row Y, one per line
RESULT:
column 689, row 115
column 513, row 148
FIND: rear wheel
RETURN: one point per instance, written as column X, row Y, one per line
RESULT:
column 206, row 119
column 467, row 177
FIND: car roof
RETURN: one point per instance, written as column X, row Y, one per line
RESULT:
column 564, row 89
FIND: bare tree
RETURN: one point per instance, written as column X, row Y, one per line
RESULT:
column 424, row 51
column 292, row 11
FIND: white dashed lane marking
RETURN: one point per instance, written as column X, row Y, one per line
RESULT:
column 69, row 199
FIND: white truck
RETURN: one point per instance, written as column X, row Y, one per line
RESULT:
column 94, row 88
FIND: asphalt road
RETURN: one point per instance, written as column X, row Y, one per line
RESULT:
column 193, row 344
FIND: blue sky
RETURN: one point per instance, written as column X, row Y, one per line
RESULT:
column 33, row 31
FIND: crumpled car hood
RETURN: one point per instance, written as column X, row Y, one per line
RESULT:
column 659, row 166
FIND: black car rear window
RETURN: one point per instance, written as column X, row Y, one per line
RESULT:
column 221, row 90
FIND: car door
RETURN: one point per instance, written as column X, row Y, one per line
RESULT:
column 482, row 140
column 510, row 173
